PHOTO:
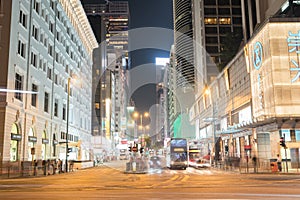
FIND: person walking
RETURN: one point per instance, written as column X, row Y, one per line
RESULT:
column 279, row 163
column 59, row 166
column 35, row 167
column 254, row 160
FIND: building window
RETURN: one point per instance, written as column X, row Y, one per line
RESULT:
column 36, row 6
column 23, row 19
column 34, row 59
column 51, row 27
column 224, row 11
column 56, row 79
column 46, row 42
column 63, row 135
column 52, row 5
column 50, row 50
column 56, row 108
column 210, row 11
column 35, row 32
column 64, row 112
column 41, row 63
column 49, row 73
column 18, row 86
column 210, row 20
column 21, row 48
column 45, row 66
column 46, row 102
column 34, row 95
column 57, row 57
column 225, row 20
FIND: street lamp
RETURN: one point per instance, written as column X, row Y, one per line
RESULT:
column 212, row 120
column 136, row 115
column 68, row 110
column 67, row 134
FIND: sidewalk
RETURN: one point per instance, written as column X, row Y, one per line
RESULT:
column 251, row 170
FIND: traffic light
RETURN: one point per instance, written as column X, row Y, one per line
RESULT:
column 141, row 149
column 282, row 142
column 130, row 149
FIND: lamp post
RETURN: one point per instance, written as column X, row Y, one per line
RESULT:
column 213, row 123
column 136, row 115
column 67, row 134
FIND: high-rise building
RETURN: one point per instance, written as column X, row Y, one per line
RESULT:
column 109, row 20
column 44, row 44
column 201, row 29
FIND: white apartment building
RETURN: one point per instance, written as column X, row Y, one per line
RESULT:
column 44, row 44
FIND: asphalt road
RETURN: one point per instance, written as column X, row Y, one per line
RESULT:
column 109, row 181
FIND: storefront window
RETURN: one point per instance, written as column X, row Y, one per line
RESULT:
column 54, row 144
column 13, row 150
column 44, row 145
column 286, row 133
column 15, row 137
column 297, row 133
column 30, row 145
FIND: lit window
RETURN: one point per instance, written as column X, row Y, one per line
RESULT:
column 225, row 20
column 210, row 20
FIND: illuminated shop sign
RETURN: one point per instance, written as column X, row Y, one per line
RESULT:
column 16, row 137
column 293, row 41
column 257, row 55
column 257, row 60
column 45, row 141
column 32, row 139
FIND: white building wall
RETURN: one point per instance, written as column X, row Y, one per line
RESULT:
column 78, row 63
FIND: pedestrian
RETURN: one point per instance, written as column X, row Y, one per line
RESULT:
column 44, row 164
column 279, row 163
column 254, row 160
column 35, row 167
column 48, row 166
column 71, row 165
column 59, row 166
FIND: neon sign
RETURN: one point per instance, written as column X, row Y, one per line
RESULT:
column 293, row 41
column 257, row 55
column 257, row 58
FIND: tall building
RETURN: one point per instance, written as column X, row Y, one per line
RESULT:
column 109, row 20
column 43, row 45
column 201, row 29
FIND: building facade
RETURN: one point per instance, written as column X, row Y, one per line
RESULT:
column 109, row 20
column 45, row 44
column 253, row 102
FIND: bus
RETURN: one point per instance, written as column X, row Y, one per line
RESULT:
column 196, row 160
column 177, row 153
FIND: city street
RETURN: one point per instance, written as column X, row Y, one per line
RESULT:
column 108, row 181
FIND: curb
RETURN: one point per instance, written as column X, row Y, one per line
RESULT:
column 136, row 172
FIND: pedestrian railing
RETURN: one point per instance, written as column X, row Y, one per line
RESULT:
column 28, row 168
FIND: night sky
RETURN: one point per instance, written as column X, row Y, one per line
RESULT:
column 143, row 14
column 149, row 13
